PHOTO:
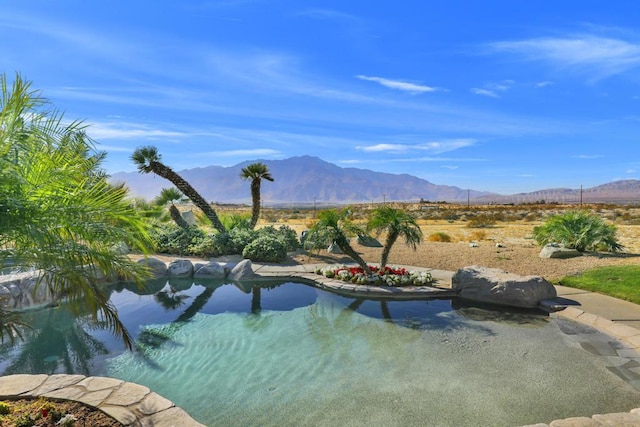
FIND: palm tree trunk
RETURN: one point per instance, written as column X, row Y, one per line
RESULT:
column 255, row 199
column 345, row 247
column 391, row 239
column 177, row 217
column 186, row 189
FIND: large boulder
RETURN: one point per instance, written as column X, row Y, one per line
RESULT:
column 242, row 271
column 157, row 267
column 180, row 268
column 211, row 270
column 495, row 286
column 556, row 250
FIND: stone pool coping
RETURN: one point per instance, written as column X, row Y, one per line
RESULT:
column 130, row 404
column 136, row 405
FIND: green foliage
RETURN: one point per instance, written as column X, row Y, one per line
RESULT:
column 266, row 248
column 59, row 211
column 25, row 420
column 578, row 230
column 616, row 281
column 395, row 223
column 285, row 233
column 171, row 239
column 169, row 195
column 4, row 408
column 236, row 221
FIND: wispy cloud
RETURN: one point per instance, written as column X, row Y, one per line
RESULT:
column 399, row 84
column 542, row 84
column 435, row 147
column 451, row 167
column 484, row 92
column 110, row 131
column 599, row 57
column 588, row 156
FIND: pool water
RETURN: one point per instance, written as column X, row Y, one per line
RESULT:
column 290, row 354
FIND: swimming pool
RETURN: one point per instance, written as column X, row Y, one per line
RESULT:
column 289, row 354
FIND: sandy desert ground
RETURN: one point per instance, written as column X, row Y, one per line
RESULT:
column 518, row 252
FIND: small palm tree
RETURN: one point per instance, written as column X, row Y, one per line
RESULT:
column 335, row 226
column 171, row 195
column 395, row 223
column 149, row 160
column 256, row 172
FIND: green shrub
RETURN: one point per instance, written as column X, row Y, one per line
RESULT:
column 266, row 248
column 578, row 230
column 285, row 233
column 4, row 409
column 241, row 237
column 171, row 239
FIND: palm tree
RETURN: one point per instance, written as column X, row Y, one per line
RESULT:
column 170, row 195
column 334, row 226
column 396, row 223
column 60, row 216
column 256, row 172
column 149, row 160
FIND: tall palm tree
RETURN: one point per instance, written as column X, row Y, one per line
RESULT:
column 256, row 172
column 170, row 195
column 60, row 216
column 395, row 223
column 149, row 160
column 334, row 226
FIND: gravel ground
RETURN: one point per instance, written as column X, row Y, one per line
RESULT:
column 515, row 257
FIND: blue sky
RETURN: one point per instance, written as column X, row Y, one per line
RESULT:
column 504, row 96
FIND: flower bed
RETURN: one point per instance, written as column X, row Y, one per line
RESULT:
column 388, row 276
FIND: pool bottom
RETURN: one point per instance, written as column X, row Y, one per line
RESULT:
column 326, row 364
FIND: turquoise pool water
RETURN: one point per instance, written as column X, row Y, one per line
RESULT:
column 294, row 355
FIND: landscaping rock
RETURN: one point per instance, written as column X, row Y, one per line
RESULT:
column 189, row 217
column 556, row 250
column 211, row 270
column 180, row 268
column 496, row 286
column 368, row 241
column 334, row 249
column 158, row 268
column 242, row 271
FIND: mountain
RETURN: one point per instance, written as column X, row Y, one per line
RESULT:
column 625, row 191
column 302, row 179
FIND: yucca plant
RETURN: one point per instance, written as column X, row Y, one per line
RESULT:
column 579, row 230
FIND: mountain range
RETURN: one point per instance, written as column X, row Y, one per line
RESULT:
column 308, row 179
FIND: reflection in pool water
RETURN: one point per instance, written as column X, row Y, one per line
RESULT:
column 294, row 355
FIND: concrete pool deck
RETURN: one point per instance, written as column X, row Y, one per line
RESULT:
column 136, row 405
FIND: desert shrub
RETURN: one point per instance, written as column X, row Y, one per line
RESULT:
column 285, row 233
column 241, row 237
column 578, row 230
column 171, row 239
column 4, row 408
column 482, row 221
column 478, row 235
column 440, row 236
column 531, row 216
column 266, row 248
column 209, row 245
